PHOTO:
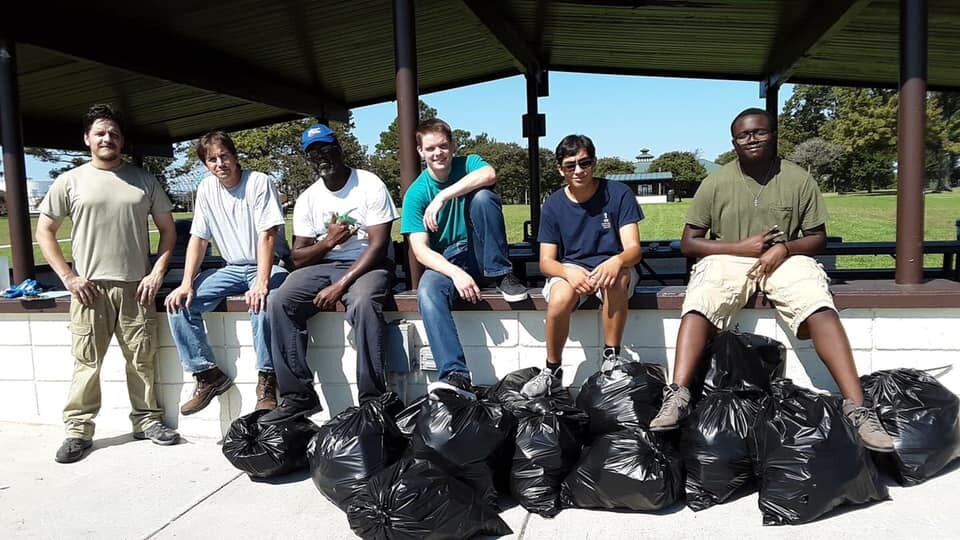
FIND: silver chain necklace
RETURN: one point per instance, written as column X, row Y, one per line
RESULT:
column 756, row 196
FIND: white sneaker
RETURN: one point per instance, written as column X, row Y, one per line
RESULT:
column 613, row 362
column 540, row 384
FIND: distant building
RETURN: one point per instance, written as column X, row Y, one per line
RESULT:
column 646, row 184
column 654, row 186
column 36, row 191
column 650, row 187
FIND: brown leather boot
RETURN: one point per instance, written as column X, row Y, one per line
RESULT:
column 210, row 383
column 267, row 391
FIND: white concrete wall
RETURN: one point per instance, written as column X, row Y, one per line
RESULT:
column 36, row 363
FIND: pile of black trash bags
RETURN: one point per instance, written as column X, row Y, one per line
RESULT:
column 438, row 467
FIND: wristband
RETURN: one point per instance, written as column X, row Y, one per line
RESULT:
column 786, row 247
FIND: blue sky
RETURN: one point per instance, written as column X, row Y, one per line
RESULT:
column 621, row 114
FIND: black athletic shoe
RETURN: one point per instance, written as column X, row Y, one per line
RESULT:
column 72, row 449
column 456, row 381
column 291, row 408
column 512, row 289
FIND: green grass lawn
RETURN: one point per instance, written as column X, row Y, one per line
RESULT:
column 855, row 218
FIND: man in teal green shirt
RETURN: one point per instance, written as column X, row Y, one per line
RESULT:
column 454, row 223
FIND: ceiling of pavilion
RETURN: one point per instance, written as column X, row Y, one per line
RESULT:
column 178, row 68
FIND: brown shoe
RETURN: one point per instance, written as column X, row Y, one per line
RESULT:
column 868, row 426
column 267, row 391
column 210, row 383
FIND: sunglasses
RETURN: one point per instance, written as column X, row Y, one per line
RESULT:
column 570, row 166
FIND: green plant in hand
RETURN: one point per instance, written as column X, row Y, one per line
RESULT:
column 346, row 218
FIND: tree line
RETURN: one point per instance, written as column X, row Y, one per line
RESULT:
column 846, row 138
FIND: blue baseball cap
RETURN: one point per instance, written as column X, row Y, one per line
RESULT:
column 317, row 133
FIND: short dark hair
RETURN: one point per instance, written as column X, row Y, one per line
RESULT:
column 211, row 138
column 752, row 111
column 433, row 125
column 102, row 111
column 571, row 146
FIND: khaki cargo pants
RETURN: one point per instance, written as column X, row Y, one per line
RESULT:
column 115, row 311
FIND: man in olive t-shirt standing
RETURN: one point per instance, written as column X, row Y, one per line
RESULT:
column 112, row 285
column 766, row 220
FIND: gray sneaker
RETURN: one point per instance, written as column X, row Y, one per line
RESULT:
column 73, row 449
column 159, row 434
column 512, row 289
column 675, row 407
column 868, row 427
column 613, row 362
column 540, row 384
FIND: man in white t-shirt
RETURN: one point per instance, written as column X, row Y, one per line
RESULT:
column 240, row 211
column 341, row 232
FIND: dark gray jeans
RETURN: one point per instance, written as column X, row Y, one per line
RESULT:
column 291, row 306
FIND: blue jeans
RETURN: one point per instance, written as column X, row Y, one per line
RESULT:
column 210, row 288
column 484, row 255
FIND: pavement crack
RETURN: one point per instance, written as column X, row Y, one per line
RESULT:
column 523, row 526
column 192, row 506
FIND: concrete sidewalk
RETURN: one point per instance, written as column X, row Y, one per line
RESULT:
column 135, row 489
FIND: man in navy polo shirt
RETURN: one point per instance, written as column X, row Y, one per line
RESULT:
column 589, row 245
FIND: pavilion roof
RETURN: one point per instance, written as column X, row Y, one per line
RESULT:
column 178, row 68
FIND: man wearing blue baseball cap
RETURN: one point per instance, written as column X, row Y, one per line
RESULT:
column 341, row 232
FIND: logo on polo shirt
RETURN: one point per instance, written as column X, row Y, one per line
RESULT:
column 605, row 224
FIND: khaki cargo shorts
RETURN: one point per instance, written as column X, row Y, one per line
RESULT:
column 634, row 279
column 719, row 288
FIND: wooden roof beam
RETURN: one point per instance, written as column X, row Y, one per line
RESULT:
column 157, row 54
column 67, row 135
column 491, row 14
column 824, row 19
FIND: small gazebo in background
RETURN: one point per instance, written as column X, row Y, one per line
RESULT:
column 650, row 187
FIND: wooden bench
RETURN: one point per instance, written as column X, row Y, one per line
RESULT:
column 853, row 294
column 852, row 287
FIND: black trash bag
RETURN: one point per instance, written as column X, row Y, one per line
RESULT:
column 921, row 416
column 353, row 445
column 407, row 418
column 462, row 436
column 630, row 469
column 809, row 457
column 716, row 449
column 507, row 390
column 546, row 448
column 414, row 499
column 744, row 361
column 626, row 397
column 262, row 450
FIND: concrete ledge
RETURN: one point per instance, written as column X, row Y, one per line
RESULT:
column 855, row 294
